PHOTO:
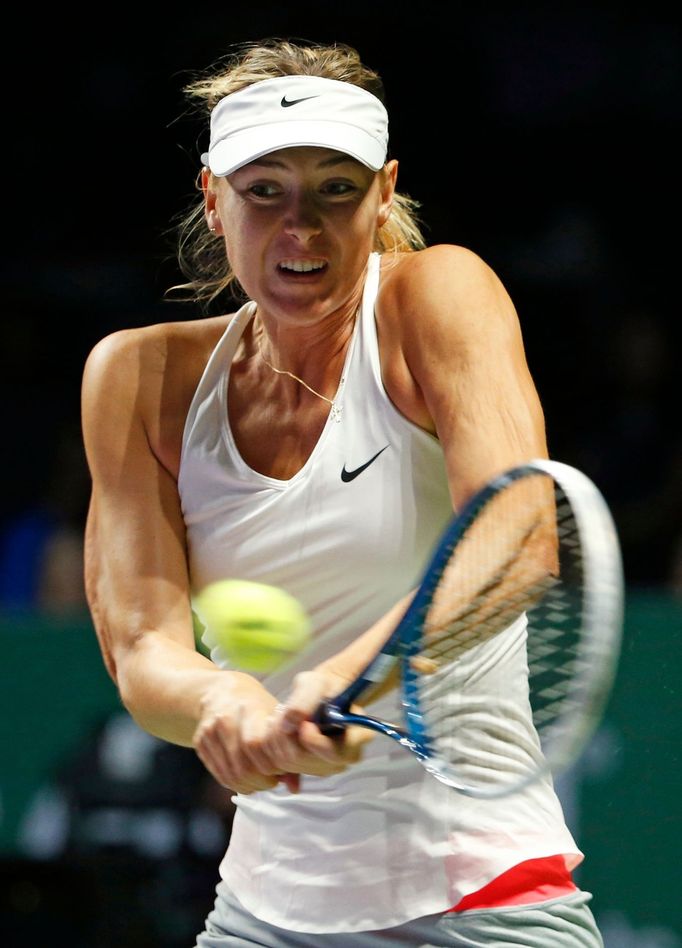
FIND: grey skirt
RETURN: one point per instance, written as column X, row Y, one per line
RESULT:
column 566, row 922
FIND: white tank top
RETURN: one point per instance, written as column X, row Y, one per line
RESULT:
column 348, row 535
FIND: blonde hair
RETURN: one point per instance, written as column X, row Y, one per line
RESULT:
column 200, row 254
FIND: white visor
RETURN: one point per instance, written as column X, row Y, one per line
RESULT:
column 296, row 110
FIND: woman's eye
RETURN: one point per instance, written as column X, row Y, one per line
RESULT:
column 339, row 188
column 264, row 190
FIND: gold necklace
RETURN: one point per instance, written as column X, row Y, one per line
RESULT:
column 335, row 411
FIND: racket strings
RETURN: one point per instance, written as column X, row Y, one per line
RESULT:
column 497, row 572
column 500, row 584
column 513, row 588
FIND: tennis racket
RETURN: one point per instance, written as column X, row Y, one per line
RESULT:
column 508, row 650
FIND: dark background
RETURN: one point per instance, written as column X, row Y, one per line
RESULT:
column 544, row 139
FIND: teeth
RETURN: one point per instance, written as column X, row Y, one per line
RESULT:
column 302, row 266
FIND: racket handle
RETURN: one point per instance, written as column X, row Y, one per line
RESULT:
column 329, row 719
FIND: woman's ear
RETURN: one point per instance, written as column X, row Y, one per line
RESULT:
column 211, row 212
column 388, row 182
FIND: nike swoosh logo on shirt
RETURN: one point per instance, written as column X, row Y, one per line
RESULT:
column 285, row 103
column 347, row 476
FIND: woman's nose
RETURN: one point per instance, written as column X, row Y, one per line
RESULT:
column 302, row 218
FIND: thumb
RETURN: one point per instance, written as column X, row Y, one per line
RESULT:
column 355, row 740
column 308, row 691
column 291, row 781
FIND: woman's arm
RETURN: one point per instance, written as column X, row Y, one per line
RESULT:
column 138, row 586
column 458, row 366
column 135, row 564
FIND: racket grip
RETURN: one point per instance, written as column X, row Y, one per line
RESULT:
column 329, row 719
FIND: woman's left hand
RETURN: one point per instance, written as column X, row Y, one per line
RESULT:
column 296, row 742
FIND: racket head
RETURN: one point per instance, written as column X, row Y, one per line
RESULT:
column 508, row 689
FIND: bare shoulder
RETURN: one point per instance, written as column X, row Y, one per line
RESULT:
column 442, row 314
column 150, row 350
column 444, row 285
column 147, row 375
column 439, row 259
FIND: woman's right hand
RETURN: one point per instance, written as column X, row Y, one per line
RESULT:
column 235, row 712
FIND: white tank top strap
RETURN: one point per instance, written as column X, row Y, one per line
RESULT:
column 370, row 342
column 213, row 378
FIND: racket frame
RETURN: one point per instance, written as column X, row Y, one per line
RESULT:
column 602, row 614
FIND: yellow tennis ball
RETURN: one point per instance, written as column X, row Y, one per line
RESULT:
column 255, row 627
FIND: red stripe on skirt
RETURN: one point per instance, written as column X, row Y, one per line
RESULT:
column 532, row 881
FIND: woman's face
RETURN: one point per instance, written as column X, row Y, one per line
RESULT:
column 299, row 224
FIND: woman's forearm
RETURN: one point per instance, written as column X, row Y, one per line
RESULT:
column 167, row 688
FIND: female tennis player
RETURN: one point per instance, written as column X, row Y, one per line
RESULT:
column 317, row 440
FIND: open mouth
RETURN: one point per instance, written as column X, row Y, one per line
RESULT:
column 305, row 267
